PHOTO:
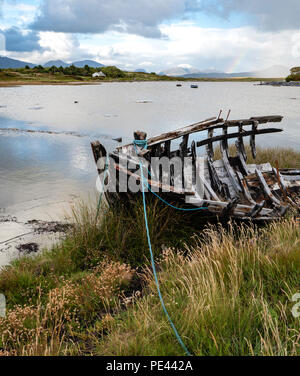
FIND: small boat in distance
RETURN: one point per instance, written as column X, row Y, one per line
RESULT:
column 179, row 85
column 194, row 86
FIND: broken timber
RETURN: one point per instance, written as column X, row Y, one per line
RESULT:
column 231, row 187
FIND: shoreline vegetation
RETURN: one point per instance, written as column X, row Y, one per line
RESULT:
column 83, row 76
column 227, row 287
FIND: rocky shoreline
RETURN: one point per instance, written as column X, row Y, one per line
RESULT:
column 280, row 83
column 24, row 238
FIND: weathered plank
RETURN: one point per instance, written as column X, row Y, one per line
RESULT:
column 153, row 183
column 252, row 139
column 99, row 153
column 231, row 173
column 209, row 147
column 213, row 123
column 239, row 211
column 266, row 189
column 237, row 134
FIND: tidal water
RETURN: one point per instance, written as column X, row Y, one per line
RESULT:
column 41, row 172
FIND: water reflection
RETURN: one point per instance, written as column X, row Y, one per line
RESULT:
column 43, row 167
column 50, row 167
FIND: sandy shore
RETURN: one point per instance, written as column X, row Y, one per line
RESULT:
column 23, row 239
column 21, row 235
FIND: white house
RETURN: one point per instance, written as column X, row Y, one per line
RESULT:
column 99, row 74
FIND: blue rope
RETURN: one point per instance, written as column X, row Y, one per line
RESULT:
column 172, row 206
column 102, row 191
column 144, row 145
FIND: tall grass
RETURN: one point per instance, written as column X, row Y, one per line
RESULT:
column 283, row 157
column 230, row 296
column 228, row 291
column 53, row 298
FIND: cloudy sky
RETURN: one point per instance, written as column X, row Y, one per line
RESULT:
column 226, row 35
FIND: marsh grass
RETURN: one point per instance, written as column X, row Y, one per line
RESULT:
column 82, row 280
column 283, row 157
column 228, row 290
column 230, row 296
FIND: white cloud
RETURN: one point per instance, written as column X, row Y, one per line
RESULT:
column 236, row 49
column 97, row 16
column 18, row 13
column 146, row 64
column 296, row 45
column 265, row 14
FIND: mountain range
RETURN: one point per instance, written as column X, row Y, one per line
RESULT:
column 6, row 63
column 78, row 64
column 272, row 72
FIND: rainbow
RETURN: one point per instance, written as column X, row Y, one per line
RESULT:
column 233, row 68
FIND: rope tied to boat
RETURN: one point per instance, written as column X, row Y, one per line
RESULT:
column 144, row 144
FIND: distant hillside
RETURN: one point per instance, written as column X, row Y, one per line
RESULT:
column 6, row 63
column 56, row 63
column 179, row 72
column 78, row 64
column 90, row 63
column 140, row 71
column 275, row 71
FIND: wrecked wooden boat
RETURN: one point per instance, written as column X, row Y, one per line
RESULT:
column 229, row 186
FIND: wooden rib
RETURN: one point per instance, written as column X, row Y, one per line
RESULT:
column 241, row 159
column 166, row 188
column 183, row 153
column 235, row 135
column 252, row 139
column 219, row 206
column 281, row 182
column 209, row 189
column 194, row 159
column 216, row 183
column 257, row 209
column 241, row 142
column 267, row 191
column 224, row 142
column 230, row 207
column 167, row 150
column 99, row 152
column 209, row 147
column 244, row 185
column 231, row 174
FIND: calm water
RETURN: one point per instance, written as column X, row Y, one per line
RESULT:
column 39, row 171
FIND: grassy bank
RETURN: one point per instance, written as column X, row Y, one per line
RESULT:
column 50, row 76
column 228, row 297
column 228, row 290
column 283, row 157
